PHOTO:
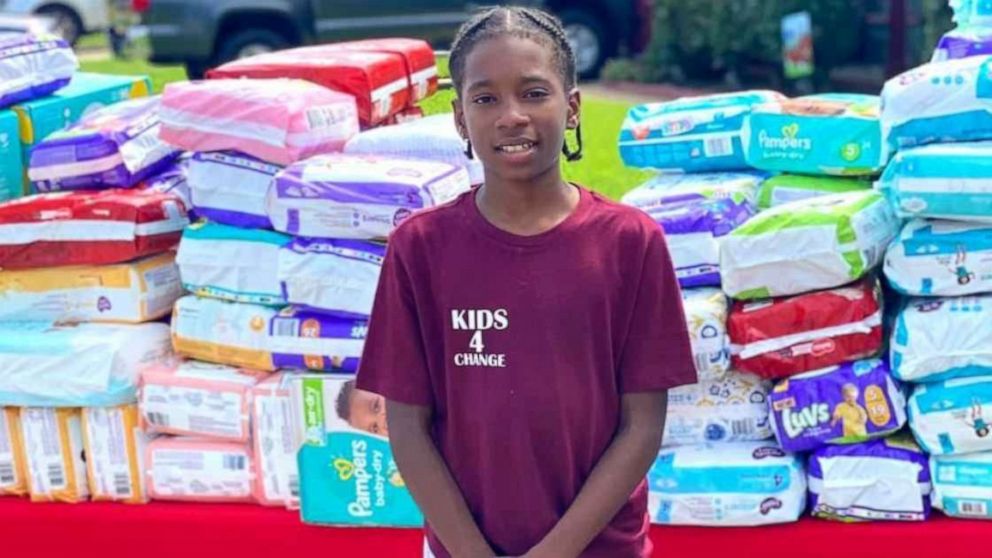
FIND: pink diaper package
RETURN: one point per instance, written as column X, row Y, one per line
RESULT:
column 199, row 470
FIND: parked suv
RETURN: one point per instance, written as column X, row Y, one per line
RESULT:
column 72, row 18
column 205, row 33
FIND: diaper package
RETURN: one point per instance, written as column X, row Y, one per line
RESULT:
column 693, row 134
column 432, row 138
column 347, row 472
column 32, row 66
column 943, row 338
column 786, row 188
column 275, row 444
column 173, row 180
column 941, row 258
column 223, row 332
column 301, row 338
column 845, row 404
column 277, row 120
column 82, row 365
column 133, row 292
column 197, row 399
column 963, row 43
column 114, row 147
column 807, row 245
column 13, row 471
column 953, row 417
column 952, row 181
column 663, row 189
column 723, row 485
column 962, row 484
column 733, row 409
column 777, row 338
column 886, row 479
column 53, row 448
column 230, row 188
column 331, row 275
column 199, row 470
column 84, row 228
column 115, row 453
column 706, row 312
column 231, row 263
column 358, row 197
column 833, row 134
column 12, row 181
column 418, row 61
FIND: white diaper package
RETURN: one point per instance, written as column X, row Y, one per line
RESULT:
column 199, row 470
column 954, row 416
column 331, row 275
column 53, row 447
column 275, row 442
column 83, row 365
column 962, row 484
column 943, row 338
column 941, row 258
column 706, row 311
column 229, row 187
column 733, row 409
column 223, row 332
column 115, row 453
column 723, row 485
column 13, row 471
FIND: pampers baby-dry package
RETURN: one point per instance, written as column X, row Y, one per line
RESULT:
column 786, row 188
column 777, row 338
column 115, row 453
column 347, row 472
column 693, row 134
column 331, row 275
column 137, row 291
column 199, row 470
column 941, row 258
column 232, row 263
column 53, row 450
column 706, row 317
column 275, row 444
column 302, row 338
column 947, row 181
column 962, row 484
column 197, row 399
column 81, row 365
column 733, row 409
column 230, row 188
column 942, row 338
column 807, row 245
column 845, row 404
column 114, row 147
column 13, row 464
column 886, row 479
column 834, row 134
column 358, row 197
column 32, row 66
column 723, row 485
column 277, row 120
column 223, row 332
column 953, row 416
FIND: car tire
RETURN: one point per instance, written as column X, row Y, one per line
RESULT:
column 590, row 40
column 67, row 22
column 248, row 43
column 196, row 69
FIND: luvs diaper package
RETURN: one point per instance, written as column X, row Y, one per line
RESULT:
column 962, row 484
column 941, row 258
column 942, row 338
column 706, row 317
column 693, row 134
column 729, row 410
column 53, row 449
column 807, row 245
column 347, row 472
column 887, row 479
column 13, row 464
column 33, row 66
column 663, row 189
column 301, row 338
column 786, row 188
column 844, row 404
column 231, row 263
column 199, row 470
column 230, row 188
column 963, row 43
column 115, row 453
column 722, row 485
column 275, row 443
column 331, row 275
column 223, row 332
column 953, row 416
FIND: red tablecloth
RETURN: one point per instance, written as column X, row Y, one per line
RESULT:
column 244, row 531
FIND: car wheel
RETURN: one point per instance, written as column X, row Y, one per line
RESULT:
column 67, row 22
column 196, row 69
column 249, row 42
column 590, row 42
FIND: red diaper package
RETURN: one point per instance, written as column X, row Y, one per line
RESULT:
column 418, row 61
column 777, row 338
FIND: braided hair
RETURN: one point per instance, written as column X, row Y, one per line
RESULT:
column 525, row 23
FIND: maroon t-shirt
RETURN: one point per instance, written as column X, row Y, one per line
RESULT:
column 523, row 346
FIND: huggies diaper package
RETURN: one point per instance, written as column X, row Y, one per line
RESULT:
column 230, row 188
column 943, row 338
column 941, row 258
column 275, row 444
column 199, row 470
column 13, row 464
column 953, row 417
column 729, row 410
column 115, row 453
column 962, row 484
column 331, row 275
column 223, row 332
column 53, row 449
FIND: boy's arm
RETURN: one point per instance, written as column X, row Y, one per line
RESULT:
column 613, row 479
column 430, row 482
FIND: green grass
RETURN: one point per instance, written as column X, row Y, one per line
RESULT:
column 93, row 41
column 160, row 75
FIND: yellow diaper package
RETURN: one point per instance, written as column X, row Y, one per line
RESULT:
column 13, row 477
column 115, row 452
column 53, row 450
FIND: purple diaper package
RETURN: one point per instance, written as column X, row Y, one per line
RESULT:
column 845, row 404
column 172, row 180
column 303, row 338
column 230, row 187
column 114, row 147
column 33, row 66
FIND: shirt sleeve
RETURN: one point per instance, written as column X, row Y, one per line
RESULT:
column 394, row 362
column 657, row 354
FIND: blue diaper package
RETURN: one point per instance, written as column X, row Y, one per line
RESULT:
column 954, row 416
column 940, row 258
column 943, row 338
column 962, row 484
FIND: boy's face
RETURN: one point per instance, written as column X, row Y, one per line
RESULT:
column 514, row 109
column 851, row 395
column 367, row 411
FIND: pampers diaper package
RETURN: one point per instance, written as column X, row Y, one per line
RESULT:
column 834, row 134
column 358, row 197
column 230, row 188
column 331, row 275
column 953, row 416
column 275, row 444
column 693, row 134
column 807, row 245
column 786, row 188
column 301, row 338
column 13, row 464
column 962, row 484
column 199, row 470
column 941, row 258
column 80, row 365
column 942, row 338
column 886, row 479
column 740, row 483
column 706, row 317
column 223, row 332
column 729, row 410
column 53, row 449
column 231, row 263
column 844, row 404
column 347, row 472
column 32, row 66
column 952, row 181
column 115, row 453
column 12, row 181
